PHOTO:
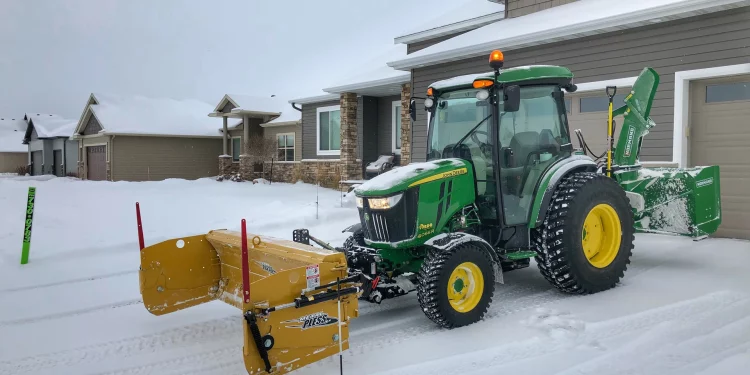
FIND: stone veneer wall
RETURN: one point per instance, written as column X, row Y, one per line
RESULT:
column 350, row 167
column 326, row 172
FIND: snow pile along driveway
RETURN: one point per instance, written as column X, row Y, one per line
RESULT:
column 682, row 308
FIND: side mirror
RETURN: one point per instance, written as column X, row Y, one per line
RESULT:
column 511, row 98
column 413, row 109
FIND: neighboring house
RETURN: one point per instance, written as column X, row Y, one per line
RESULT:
column 50, row 150
column 701, row 49
column 13, row 153
column 272, row 127
column 146, row 139
column 361, row 117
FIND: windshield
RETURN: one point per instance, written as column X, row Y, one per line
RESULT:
column 456, row 114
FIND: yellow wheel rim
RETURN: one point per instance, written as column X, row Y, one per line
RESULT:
column 601, row 235
column 465, row 287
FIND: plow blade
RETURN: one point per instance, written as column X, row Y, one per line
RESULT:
column 290, row 303
column 685, row 202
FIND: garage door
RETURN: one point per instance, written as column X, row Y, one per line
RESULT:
column 96, row 163
column 588, row 112
column 57, row 168
column 36, row 163
column 720, row 135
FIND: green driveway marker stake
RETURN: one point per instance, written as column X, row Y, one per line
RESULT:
column 27, row 226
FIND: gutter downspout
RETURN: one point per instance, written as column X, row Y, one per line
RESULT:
column 110, row 159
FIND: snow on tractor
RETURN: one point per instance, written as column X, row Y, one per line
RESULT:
column 502, row 184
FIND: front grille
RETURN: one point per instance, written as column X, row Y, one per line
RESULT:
column 393, row 225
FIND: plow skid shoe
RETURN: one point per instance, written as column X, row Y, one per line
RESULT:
column 678, row 201
column 184, row 272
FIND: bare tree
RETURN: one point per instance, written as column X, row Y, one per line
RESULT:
column 262, row 149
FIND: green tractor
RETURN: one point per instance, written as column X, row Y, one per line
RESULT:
column 503, row 184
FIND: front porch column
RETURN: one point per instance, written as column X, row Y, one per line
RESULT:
column 225, row 137
column 246, row 160
column 350, row 168
column 405, row 124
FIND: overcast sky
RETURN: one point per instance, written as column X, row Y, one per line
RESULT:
column 53, row 53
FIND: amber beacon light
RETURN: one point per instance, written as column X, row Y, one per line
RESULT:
column 496, row 59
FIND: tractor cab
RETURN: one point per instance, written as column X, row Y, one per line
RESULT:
column 510, row 125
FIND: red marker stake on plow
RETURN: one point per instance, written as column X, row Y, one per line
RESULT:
column 245, row 266
column 140, row 226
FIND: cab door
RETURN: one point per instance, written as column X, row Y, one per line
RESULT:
column 530, row 140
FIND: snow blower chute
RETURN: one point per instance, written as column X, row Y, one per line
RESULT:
column 296, row 300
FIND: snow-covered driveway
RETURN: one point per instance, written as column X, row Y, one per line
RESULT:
column 683, row 307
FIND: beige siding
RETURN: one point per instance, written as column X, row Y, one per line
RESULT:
column 518, row 8
column 9, row 161
column 158, row 158
column 270, row 132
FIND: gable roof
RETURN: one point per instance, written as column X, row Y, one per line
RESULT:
column 271, row 105
column 12, row 132
column 466, row 15
column 139, row 115
column 48, row 126
column 570, row 21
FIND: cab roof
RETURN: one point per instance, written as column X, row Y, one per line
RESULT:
column 521, row 74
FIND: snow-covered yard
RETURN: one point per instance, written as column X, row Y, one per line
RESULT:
column 682, row 308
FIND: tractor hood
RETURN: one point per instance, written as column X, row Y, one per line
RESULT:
column 401, row 178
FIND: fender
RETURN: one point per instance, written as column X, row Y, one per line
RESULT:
column 551, row 180
column 446, row 241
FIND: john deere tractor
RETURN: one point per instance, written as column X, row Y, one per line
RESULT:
column 502, row 183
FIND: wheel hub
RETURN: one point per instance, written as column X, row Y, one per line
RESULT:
column 601, row 235
column 465, row 287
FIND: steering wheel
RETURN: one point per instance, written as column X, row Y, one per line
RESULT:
column 483, row 146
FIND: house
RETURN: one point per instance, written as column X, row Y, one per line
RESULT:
column 50, row 150
column 258, row 132
column 146, row 139
column 13, row 153
column 365, row 115
column 701, row 49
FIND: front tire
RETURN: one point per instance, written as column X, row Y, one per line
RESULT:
column 585, row 243
column 456, row 285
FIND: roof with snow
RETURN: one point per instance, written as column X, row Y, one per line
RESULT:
column 253, row 104
column 12, row 131
column 139, row 115
column 290, row 116
column 570, row 21
column 320, row 96
column 48, row 126
column 466, row 15
column 374, row 77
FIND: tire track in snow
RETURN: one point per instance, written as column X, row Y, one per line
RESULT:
column 69, row 281
column 67, row 314
column 691, row 312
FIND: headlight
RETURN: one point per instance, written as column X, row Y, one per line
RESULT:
column 384, row 203
column 360, row 202
column 428, row 103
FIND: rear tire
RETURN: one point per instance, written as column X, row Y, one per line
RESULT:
column 455, row 286
column 565, row 254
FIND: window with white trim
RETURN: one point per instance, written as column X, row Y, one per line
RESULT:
column 329, row 130
column 396, row 126
column 285, row 146
column 236, row 149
